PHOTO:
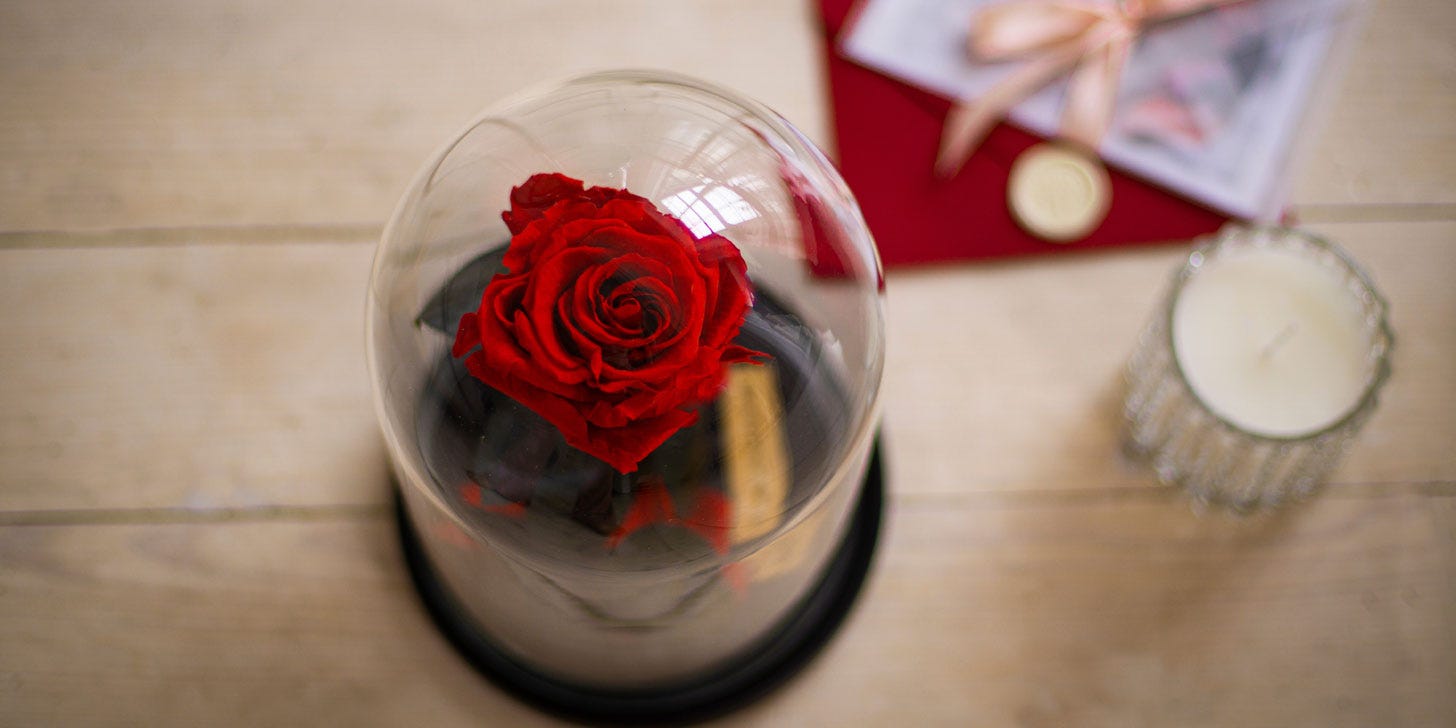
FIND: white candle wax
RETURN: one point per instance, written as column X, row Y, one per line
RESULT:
column 1272, row 341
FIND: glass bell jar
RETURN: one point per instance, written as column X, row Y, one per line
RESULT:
column 625, row 341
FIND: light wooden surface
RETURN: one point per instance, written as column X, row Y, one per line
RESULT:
column 193, row 518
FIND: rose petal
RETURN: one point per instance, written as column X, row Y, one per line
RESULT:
column 537, row 194
column 624, row 447
column 612, row 320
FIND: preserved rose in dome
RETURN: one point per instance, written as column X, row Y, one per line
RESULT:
column 625, row 338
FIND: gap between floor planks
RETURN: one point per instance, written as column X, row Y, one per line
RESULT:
column 192, row 235
column 370, row 232
column 970, row 499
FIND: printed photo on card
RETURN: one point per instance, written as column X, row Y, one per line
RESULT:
column 1208, row 105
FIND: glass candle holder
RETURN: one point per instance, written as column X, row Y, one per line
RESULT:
column 1263, row 363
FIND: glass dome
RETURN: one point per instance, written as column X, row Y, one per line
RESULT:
column 603, row 544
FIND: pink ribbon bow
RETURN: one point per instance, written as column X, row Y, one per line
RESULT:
column 1091, row 40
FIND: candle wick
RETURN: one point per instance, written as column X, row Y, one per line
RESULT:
column 1279, row 340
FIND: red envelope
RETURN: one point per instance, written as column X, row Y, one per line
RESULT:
column 886, row 135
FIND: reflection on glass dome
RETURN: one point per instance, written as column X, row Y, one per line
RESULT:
column 625, row 338
column 707, row 210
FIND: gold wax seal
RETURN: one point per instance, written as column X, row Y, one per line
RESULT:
column 1058, row 193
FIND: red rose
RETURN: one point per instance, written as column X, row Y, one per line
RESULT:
column 612, row 320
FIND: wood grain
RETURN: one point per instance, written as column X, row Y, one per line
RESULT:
column 232, row 376
column 240, row 623
column 1130, row 611
column 194, row 525
column 1001, row 609
column 1387, row 137
column 187, row 377
column 174, row 112
column 1008, row 376
column 198, row 113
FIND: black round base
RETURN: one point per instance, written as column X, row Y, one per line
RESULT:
column 778, row 657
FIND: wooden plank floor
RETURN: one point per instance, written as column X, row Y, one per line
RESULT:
column 193, row 509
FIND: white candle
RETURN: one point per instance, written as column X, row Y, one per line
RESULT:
column 1273, row 341
column 1266, row 360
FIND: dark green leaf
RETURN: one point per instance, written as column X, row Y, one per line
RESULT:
column 461, row 294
